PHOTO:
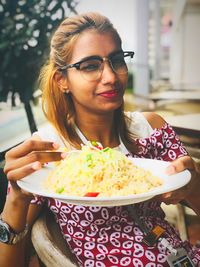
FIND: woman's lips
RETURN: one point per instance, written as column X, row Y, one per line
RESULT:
column 109, row 94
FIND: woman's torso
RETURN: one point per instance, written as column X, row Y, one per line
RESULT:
column 108, row 236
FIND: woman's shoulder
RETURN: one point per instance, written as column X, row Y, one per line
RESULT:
column 155, row 120
column 142, row 124
column 161, row 142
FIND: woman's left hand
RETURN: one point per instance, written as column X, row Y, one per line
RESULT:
column 190, row 192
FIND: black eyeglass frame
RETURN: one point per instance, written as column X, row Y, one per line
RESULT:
column 77, row 64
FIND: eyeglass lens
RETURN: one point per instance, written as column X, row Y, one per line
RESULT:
column 91, row 69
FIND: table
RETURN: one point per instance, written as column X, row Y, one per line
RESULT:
column 175, row 95
column 187, row 124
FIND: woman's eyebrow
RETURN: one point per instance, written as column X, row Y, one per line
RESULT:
column 99, row 57
column 90, row 57
column 115, row 53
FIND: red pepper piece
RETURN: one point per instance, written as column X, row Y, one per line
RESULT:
column 91, row 194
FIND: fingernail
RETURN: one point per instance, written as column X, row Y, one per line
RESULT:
column 36, row 166
column 63, row 155
column 170, row 169
column 167, row 195
column 55, row 145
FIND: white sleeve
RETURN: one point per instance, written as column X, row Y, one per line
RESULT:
column 138, row 124
column 49, row 133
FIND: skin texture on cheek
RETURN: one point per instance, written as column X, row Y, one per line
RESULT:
column 95, row 100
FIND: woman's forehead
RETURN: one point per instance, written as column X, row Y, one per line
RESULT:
column 94, row 43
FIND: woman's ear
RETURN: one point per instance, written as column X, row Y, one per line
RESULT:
column 62, row 82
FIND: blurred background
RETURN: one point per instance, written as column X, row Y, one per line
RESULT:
column 164, row 76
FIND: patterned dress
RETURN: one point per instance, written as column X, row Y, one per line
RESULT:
column 108, row 236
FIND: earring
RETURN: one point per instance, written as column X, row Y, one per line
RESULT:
column 65, row 90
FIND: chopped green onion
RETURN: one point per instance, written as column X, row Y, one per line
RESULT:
column 88, row 157
column 60, row 190
column 106, row 149
column 94, row 143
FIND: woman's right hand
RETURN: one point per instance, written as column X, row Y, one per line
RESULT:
column 28, row 157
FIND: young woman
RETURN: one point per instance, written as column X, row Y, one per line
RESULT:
column 83, row 86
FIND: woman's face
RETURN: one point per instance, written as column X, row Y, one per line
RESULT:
column 104, row 94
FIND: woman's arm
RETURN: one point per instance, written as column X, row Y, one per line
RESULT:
column 189, row 193
column 20, row 162
column 18, row 255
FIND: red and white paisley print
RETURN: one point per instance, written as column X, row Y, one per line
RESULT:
column 107, row 236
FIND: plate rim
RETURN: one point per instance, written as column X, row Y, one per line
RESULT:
column 149, row 194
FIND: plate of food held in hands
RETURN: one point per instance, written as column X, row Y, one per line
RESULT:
column 96, row 176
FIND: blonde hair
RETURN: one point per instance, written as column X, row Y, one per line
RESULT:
column 57, row 106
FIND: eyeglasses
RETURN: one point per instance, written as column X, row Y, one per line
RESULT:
column 91, row 68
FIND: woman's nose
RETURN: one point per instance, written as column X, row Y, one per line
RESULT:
column 108, row 74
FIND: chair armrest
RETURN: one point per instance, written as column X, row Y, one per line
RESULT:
column 49, row 244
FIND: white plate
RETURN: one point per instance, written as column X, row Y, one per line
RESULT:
column 34, row 184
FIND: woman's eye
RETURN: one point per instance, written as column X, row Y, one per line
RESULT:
column 118, row 62
column 90, row 66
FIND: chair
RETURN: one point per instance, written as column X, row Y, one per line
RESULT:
column 49, row 244
column 175, row 215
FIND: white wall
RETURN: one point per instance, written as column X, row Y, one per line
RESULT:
column 121, row 14
column 141, row 68
column 185, row 52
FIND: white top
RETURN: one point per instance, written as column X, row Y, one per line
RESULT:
column 138, row 125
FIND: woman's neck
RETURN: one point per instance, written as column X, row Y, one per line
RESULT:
column 100, row 129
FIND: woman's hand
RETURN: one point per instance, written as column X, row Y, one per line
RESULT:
column 190, row 192
column 28, row 157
